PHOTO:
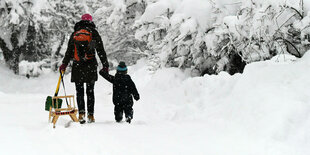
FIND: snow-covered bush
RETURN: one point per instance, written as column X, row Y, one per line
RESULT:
column 31, row 69
column 258, row 32
column 213, row 36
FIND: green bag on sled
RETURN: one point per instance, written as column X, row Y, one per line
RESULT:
column 58, row 102
column 48, row 103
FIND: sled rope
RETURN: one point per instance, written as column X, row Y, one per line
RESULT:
column 56, row 111
column 58, row 84
column 63, row 84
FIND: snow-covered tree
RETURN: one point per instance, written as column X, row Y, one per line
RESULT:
column 259, row 31
column 17, row 29
column 36, row 31
column 176, row 31
column 115, row 19
column 59, row 19
column 213, row 36
column 205, row 36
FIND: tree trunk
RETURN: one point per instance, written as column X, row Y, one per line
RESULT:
column 11, row 57
column 29, row 50
column 60, row 45
column 16, row 52
column 7, row 53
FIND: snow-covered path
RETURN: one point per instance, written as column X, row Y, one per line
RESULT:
column 25, row 130
column 266, row 111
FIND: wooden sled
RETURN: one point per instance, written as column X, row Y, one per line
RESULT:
column 56, row 112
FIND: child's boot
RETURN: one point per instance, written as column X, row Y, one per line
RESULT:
column 128, row 119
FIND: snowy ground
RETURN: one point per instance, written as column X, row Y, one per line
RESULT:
column 265, row 111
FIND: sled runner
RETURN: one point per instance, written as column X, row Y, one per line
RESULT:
column 53, row 104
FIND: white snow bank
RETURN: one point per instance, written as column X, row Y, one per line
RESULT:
column 270, row 100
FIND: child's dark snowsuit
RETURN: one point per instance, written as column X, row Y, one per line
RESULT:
column 123, row 90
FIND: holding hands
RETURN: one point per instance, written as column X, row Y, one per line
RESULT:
column 104, row 70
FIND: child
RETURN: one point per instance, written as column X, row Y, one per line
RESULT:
column 123, row 90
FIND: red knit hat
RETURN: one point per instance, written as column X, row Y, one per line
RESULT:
column 87, row 17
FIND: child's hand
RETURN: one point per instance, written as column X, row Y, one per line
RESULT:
column 136, row 97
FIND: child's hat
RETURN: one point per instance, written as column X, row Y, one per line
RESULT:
column 122, row 66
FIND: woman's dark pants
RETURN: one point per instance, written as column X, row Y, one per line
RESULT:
column 90, row 97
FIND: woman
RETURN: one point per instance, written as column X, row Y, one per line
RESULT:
column 84, row 42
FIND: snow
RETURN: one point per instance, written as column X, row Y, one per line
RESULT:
column 115, row 17
column 200, row 10
column 30, row 68
column 188, row 27
column 14, row 17
column 306, row 6
column 291, row 3
column 265, row 110
column 157, row 9
column 231, row 22
column 39, row 5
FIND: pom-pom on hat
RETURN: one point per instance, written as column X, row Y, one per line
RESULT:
column 121, row 67
column 87, row 17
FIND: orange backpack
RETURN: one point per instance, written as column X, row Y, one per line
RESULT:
column 82, row 39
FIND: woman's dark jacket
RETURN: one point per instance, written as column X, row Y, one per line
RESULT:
column 86, row 71
column 123, row 88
